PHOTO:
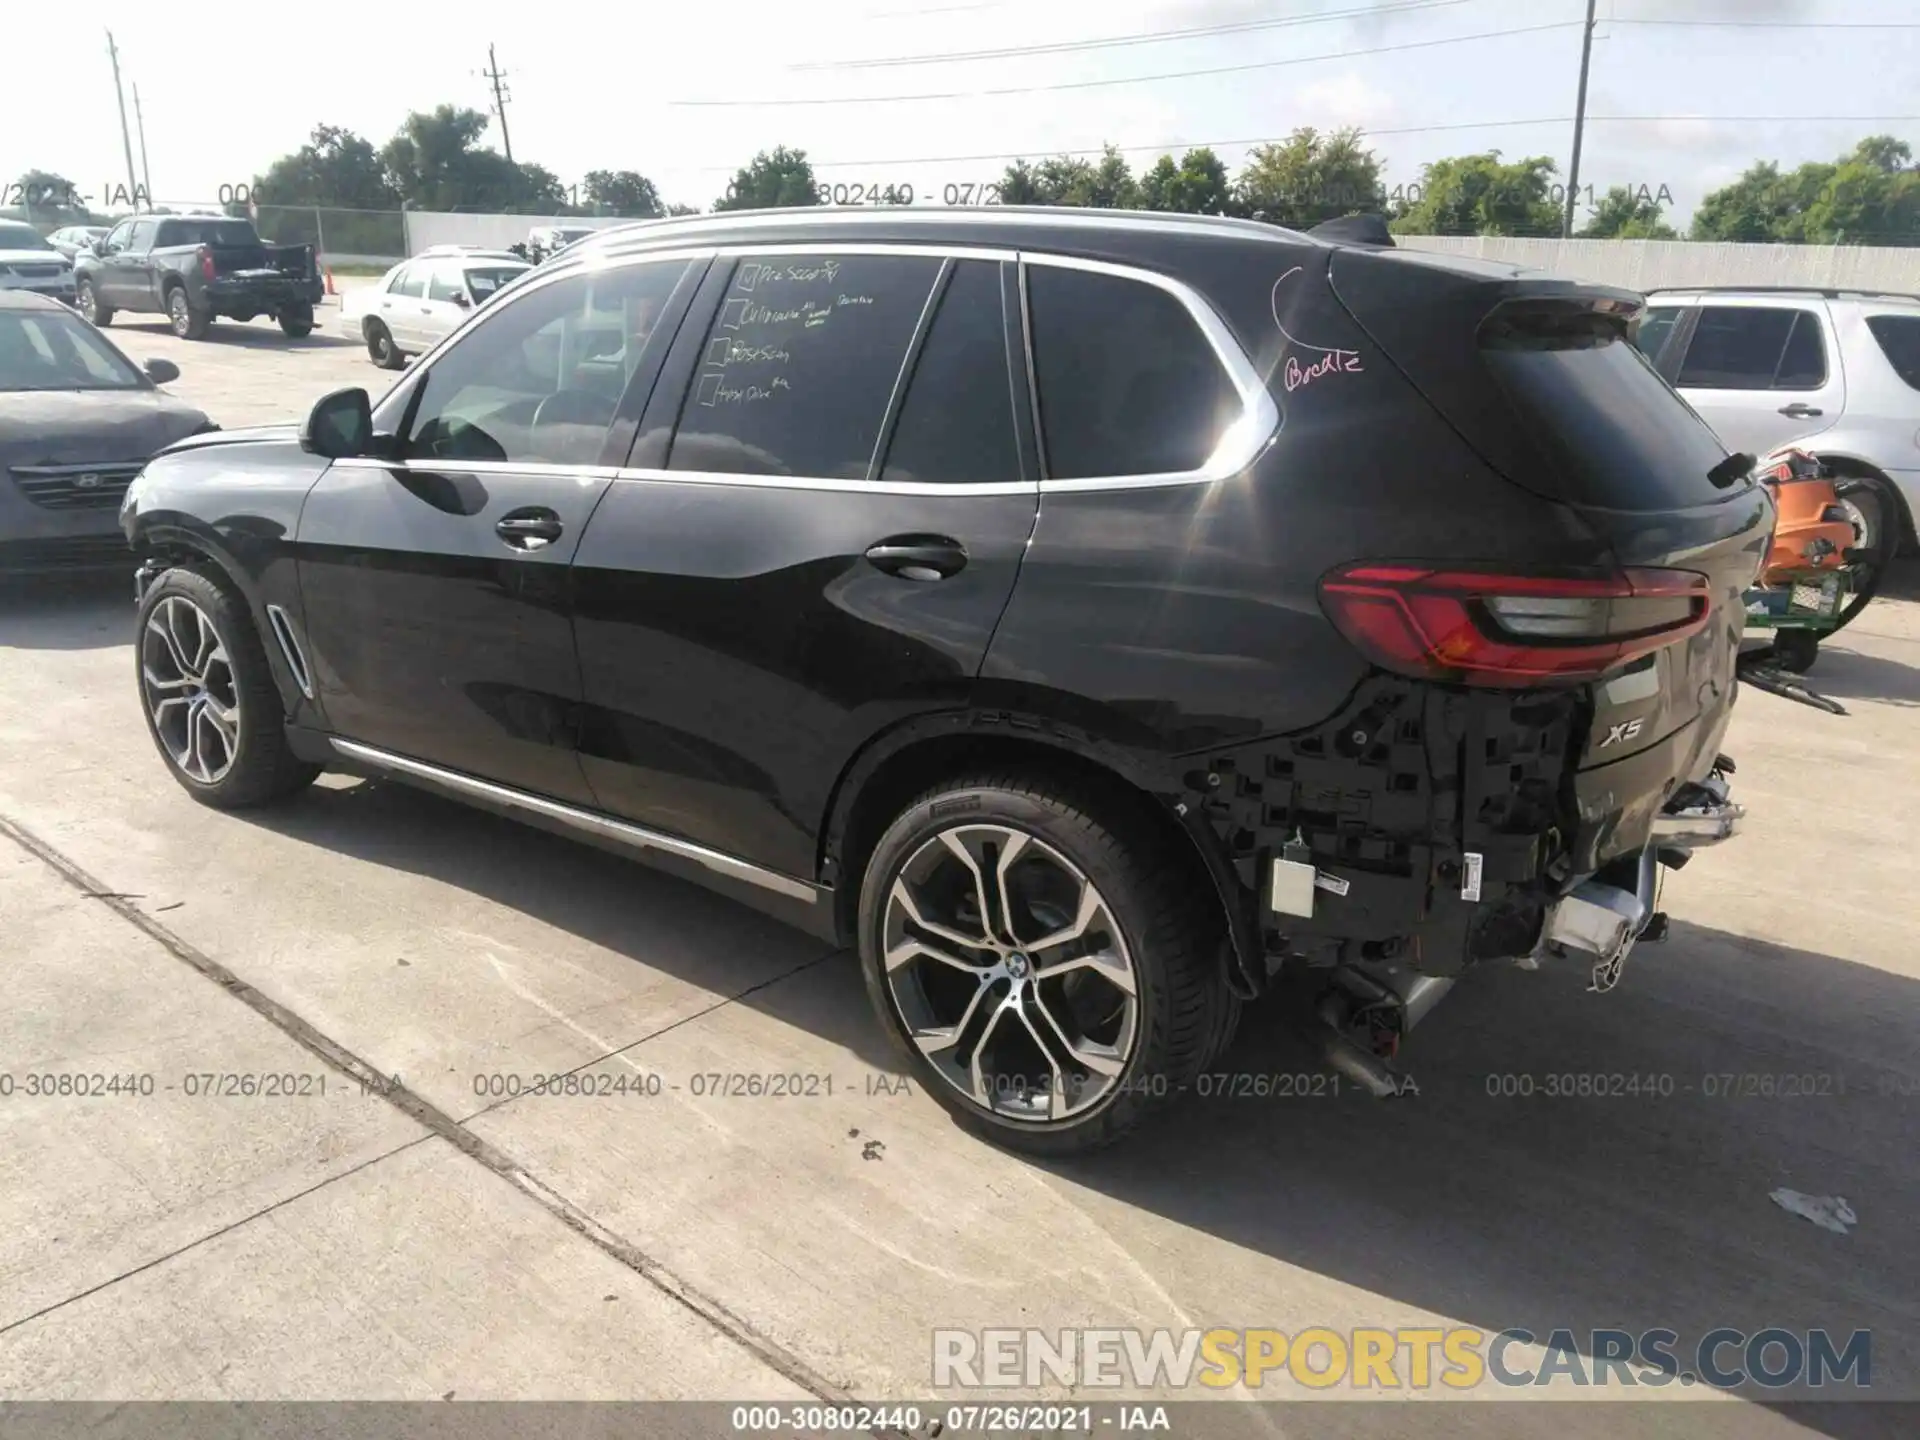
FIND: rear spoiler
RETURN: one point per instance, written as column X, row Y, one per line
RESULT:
column 1355, row 230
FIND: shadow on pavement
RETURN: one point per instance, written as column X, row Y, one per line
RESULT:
column 246, row 334
column 1742, row 1066
column 86, row 610
column 1851, row 675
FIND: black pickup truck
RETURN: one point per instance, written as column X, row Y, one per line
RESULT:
column 194, row 268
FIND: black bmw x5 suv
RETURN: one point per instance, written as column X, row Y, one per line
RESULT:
column 1085, row 616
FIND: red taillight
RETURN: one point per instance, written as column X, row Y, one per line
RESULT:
column 206, row 263
column 1471, row 627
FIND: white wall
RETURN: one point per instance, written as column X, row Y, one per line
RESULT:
column 1634, row 264
column 495, row 232
column 1653, row 264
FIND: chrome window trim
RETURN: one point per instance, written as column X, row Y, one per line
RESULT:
column 827, row 483
column 1238, row 447
column 1242, row 441
column 528, row 469
column 636, row 837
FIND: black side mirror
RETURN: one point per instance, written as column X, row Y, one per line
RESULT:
column 99, row 248
column 340, row 425
column 460, row 299
column 161, row 372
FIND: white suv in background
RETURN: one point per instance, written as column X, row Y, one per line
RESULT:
column 1834, row 371
column 416, row 305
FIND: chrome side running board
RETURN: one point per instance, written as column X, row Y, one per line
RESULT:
column 634, row 837
column 290, row 648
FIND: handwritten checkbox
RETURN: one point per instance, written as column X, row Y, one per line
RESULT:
column 719, row 351
column 749, row 276
column 707, row 392
column 733, row 314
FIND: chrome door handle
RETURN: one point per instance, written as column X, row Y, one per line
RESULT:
column 529, row 531
column 1800, row 411
column 918, row 557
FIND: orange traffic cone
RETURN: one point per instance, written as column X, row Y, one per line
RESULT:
column 327, row 271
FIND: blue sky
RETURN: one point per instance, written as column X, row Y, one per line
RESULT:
column 624, row 86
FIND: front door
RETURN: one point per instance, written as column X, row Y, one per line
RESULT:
column 436, row 587
column 440, row 313
column 823, row 550
column 1762, row 374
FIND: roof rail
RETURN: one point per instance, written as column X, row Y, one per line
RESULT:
column 1828, row 292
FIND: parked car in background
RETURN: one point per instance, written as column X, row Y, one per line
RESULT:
column 545, row 241
column 197, row 268
column 70, row 240
column 1835, row 372
column 1086, row 616
column 28, row 262
column 417, row 304
column 77, row 420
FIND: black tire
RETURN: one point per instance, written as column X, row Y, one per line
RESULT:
column 88, row 303
column 381, row 348
column 187, row 322
column 1795, row 650
column 1182, row 1012
column 261, row 767
column 296, row 322
column 1880, row 509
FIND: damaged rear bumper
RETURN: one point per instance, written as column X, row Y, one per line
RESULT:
column 1602, row 917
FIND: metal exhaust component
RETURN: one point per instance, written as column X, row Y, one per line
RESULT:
column 1705, row 816
column 1403, row 999
column 1349, row 1059
column 1603, row 921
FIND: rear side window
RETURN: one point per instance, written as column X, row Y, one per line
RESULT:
column 410, row 281
column 956, row 425
column 800, row 365
column 1753, row 347
column 1899, row 339
column 1615, row 434
column 1656, row 328
column 1128, row 383
column 445, row 283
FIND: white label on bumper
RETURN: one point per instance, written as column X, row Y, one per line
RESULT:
column 1332, row 884
column 1470, row 878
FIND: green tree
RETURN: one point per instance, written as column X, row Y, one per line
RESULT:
column 1626, row 214
column 334, row 168
column 1310, row 176
column 436, row 162
column 1761, row 206
column 1870, row 196
column 1070, row 180
column 1479, row 195
column 48, row 197
column 1198, row 185
column 683, row 210
column 774, row 178
column 624, row 192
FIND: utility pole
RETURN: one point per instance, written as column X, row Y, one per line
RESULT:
column 140, row 123
column 126, row 140
column 500, row 97
column 1579, row 123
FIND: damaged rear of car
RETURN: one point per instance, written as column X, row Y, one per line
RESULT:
column 1540, row 732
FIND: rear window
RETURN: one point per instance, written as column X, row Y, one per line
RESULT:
column 1617, row 436
column 1899, row 337
column 206, row 232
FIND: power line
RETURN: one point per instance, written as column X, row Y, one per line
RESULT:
column 1156, row 37
column 1134, row 79
column 1776, row 24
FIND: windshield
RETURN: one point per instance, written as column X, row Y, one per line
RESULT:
column 482, row 283
column 15, row 236
column 47, row 350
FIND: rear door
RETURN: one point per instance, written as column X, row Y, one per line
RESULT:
column 130, row 281
column 402, row 305
column 822, row 550
column 1761, row 372
column 440, row 313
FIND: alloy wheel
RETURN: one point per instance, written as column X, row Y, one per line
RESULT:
column 1009, row 972
column 187, row 680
